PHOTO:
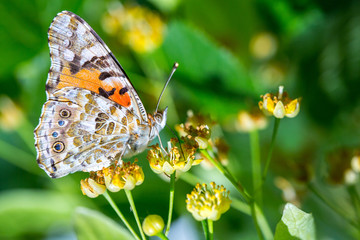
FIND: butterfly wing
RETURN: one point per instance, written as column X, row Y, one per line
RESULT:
column 80, row 131
column 93, row 114
column 80, row 58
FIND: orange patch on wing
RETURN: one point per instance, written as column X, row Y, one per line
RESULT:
column 89, row 79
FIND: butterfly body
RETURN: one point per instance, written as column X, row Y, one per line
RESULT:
column 93, row 115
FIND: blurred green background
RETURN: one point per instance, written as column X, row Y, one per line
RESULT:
column 230, row 52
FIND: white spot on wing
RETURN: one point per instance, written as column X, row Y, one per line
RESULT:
column 69, row 55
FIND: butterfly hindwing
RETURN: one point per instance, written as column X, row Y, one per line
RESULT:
column 80, row 131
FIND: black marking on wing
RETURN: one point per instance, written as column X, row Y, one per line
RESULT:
column 123, row 90
column 105, row 93
column 104, row 75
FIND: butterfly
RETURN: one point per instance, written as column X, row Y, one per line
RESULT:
column 93, row 115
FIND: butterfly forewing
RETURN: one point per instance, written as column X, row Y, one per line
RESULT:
column 80, row 58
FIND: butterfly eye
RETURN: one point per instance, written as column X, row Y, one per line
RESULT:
column 64, row 113
column 58, row 147
column 158, row 118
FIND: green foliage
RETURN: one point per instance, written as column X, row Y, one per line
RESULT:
column 295, row 224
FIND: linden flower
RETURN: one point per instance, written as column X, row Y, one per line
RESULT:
column 250, row 121
column 280, row 105
column 172, row 160
column 92, row 188
column 208, row 203
column 126, row 176
column 137, row 27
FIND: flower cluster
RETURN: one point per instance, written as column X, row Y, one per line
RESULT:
column 196, row 132
column 279, row 105
column 139, row 28
column 114, row 178
column 172, row 159
column 208, row 203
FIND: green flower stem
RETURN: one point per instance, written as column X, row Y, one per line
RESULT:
column 334, row 207
column 171, row 202
column 268, row 159
column 121, row 216
column 211, row 229
column 205, row 229
column 162, row 236
column 227, row 174
column 132, row 204
column 254, row 216
column 256, row 166
column 238, row 186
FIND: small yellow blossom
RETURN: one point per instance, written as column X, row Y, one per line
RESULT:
column 153, row 225
column 138, row 27
column 114, row 178
column 125, row 176
column 173, row 159
column 92, row 188
column 279, row 105
column 208, row 203
column 250, row 121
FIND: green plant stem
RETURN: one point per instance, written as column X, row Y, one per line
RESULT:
column 254, row 216
column 205, row 229
column 336, row 209
column 121, row 216
column 171, row 202
column 237, row 185
column 132, row 204
column 228, row 175
column 268, row 159
column 211, row 229
column 162, row 236
column 256, row 166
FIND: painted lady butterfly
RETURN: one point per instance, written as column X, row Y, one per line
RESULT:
column 93, row 115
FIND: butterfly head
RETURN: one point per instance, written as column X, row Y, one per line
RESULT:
column 158, row 121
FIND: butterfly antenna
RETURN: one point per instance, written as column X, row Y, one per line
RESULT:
column 176, row 65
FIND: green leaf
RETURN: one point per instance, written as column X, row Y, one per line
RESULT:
column 295, row 224
column 90, row 224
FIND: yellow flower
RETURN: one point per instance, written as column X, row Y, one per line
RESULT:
column 249, row 121
column 114, row 178
column 139, row 28
column 171, row 160
column 92, row 188
column 279, row 105
column 124, row 176
column 208, row 203
column 152, row 225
